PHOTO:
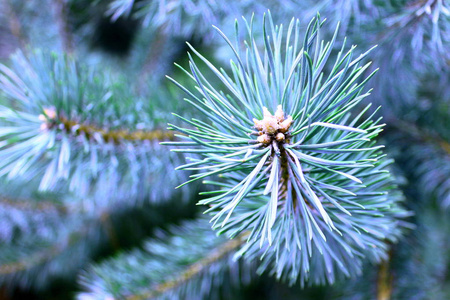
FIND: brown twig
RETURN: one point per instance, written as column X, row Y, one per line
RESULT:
column 115, row 136
column 385, row 279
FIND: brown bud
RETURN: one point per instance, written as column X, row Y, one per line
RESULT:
column 270, row 125
column 263, row 139
column 280, row 137
column 279, row 114
column 284, row 126
column 258, row 124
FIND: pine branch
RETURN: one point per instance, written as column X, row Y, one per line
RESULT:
column 417, row 30
column 57, row 242
column 28, row 235
column 296, row 165
column 411, row 37
column 68, row 124
column 52, row 245
column 193, row 270
column 22, row 209
column 192, row 18
column 352, row 14
column 38, row 246
column 35, row 259
column 170, row 267
column 427, row 12
column 290, row 163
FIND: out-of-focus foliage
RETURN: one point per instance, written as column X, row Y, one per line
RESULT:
column 191, row 17
column 172, row 267
column 65, row 122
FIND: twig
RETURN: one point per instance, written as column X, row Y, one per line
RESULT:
column 63, row 25
column 385, row 278
column 116, row 136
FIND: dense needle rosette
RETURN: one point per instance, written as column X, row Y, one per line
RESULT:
column 297, row 162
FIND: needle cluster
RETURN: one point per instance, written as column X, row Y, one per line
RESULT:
column 312, row 191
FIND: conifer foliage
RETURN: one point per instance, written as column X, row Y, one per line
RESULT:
column 305, row 179
column 311, row 155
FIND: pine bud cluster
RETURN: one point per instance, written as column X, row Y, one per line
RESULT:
column 273, row 127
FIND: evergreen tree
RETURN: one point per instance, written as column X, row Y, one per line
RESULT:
column 320, row 169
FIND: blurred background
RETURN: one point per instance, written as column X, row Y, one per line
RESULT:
column 84, row 227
